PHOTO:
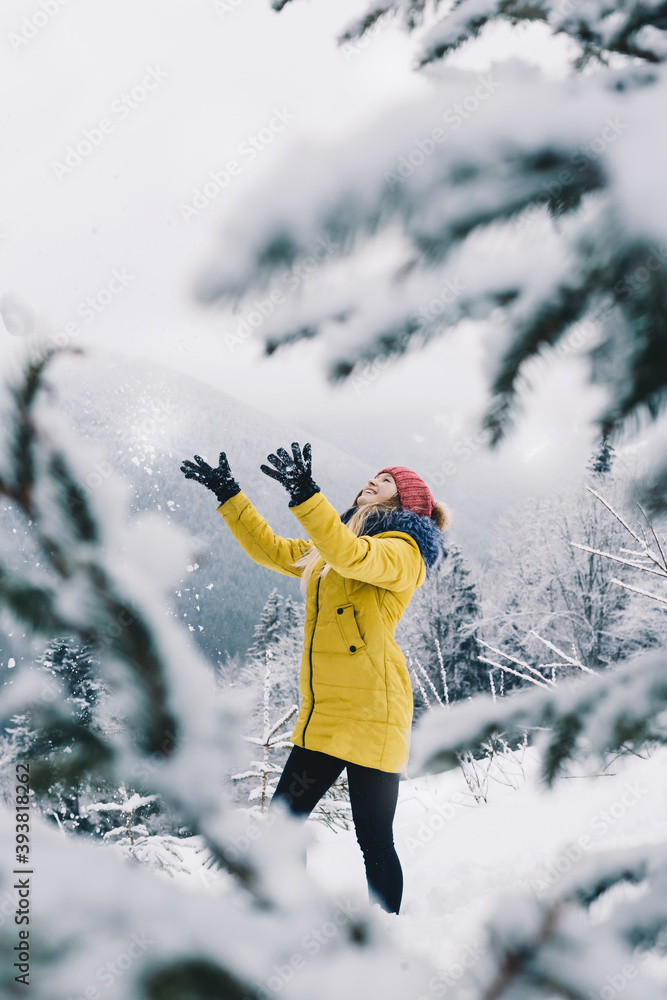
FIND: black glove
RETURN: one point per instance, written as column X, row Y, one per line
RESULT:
column 293, row 473
column 219, row 480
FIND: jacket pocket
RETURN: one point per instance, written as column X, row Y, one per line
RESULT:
column 349, row 629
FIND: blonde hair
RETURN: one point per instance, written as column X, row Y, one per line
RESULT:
column 440, row 514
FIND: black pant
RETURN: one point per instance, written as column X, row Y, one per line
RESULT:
column 308, row 774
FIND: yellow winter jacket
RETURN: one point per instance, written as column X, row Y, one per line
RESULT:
column 356, row 696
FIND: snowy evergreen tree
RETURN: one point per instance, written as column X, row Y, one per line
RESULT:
column 267, row 631
column 68, row 674
column 103, row 581
column 435, row 632
column 72, row 671
column 280, row 628
column 74, row 668
column 602, row 461
column 279, row 633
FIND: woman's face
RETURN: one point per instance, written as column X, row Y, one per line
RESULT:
column 383, row 487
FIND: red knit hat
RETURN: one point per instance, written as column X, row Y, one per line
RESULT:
column 413, row 492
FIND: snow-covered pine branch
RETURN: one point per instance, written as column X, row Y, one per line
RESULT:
column 103, row 579
column 404, row 233
column 530, row 938
column 106, row 598
column 634, row 30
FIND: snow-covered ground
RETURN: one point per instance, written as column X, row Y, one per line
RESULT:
column 464, row 860
column 460, row 859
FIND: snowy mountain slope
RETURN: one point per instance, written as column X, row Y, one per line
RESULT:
column 142, row 421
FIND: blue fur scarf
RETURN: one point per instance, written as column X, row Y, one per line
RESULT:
column 426, row 533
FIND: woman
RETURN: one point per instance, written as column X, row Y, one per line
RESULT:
column 359, row 571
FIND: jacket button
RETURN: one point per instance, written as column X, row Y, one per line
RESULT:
column 340, row 611
column 353, row 649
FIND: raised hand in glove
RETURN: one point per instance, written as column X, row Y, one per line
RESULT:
column 293, row 472
column 219, row 480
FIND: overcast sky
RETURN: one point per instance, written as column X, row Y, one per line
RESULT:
column 165, row 93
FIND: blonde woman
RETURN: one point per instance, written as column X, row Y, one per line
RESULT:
column 359, row 571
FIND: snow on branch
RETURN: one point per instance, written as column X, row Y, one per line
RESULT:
column 626, row 562
column 514, row 659
column 598, row 713
column 135, row 801
column 658, row 560
column 333, row 198
column 632, row 32
column 531, row 946
column 618, row 517
column 360, row 26
column 510, row 670
column 576, row 662
column 463, row 22
column 636, row 590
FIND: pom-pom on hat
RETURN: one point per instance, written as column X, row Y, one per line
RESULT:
column 413, row 492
